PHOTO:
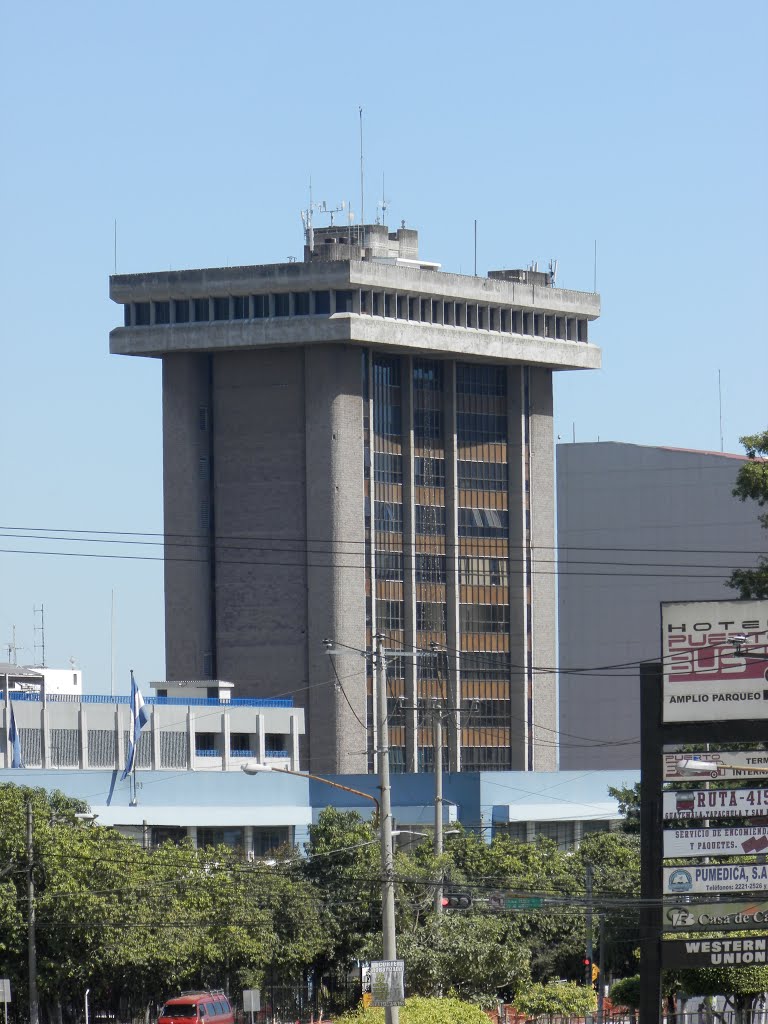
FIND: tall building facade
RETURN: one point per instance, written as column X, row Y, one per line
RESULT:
column 360, row 444
column 636, row 525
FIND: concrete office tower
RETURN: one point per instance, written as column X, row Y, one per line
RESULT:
column 636, row 526
column 360, row 443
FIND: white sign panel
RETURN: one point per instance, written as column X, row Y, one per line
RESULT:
column 707, row 677
column 5, row 990
column 716, row 803
column 251, row 1000
column 387, row 982
column 755, row 760
column 716, row 878
column 716, row 842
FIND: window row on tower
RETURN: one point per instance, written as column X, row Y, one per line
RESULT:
column 445, row 312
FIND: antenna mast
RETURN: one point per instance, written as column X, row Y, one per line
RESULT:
column 362, row 177
column 41, row 631
column 12, row 647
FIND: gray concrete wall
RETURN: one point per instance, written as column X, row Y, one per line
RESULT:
column 335, row 600
column 636, row 526
column 188, row 624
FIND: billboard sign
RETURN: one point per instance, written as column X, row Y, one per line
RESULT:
column 755, row 760
column 716, row 842
column 716, row 878
column 387, row 982
column 716, row 803
column 714, row 952
column 706, row 675
column 694, row 917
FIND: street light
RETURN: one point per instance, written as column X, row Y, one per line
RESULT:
column 256, row 767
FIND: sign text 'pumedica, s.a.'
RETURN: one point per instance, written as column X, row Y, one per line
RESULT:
column 715, row 660
column 716, row 878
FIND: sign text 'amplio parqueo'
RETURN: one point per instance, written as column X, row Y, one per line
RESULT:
column 707, row 675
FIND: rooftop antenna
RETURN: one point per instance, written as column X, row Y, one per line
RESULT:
column 362, row 175
column 553, row 272
column 720, row 403
column 12, row 647
column 41, row 631
column 383, row 204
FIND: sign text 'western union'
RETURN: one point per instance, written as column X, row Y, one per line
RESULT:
column 716, row 842
column 714, row 952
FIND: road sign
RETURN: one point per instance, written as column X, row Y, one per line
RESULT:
column 508, row 901
column 716, row 842
column 388, row 982
column 707, row 676
column 716, row 803
column 716, row 878
column 755, row 760
column 5, row 990
column 714, row 952
column 251, row 1000
column 693, row 917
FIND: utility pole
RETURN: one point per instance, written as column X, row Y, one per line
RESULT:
column 437, row 743
column 389, row 938
column 588, row 888
column 600, row 965
column 34, row 1008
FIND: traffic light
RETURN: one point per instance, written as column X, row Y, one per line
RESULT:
column 589, row 968
column 456, row 900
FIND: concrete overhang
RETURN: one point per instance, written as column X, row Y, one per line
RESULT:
column 554, row 811
column 202, row 816
column 352, row 328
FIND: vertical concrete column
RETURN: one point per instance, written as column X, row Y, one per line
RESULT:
column 356, row 301
column 82, row 725
column 530, row 831
column 45, row 735
column 294, row 741
column 335, row 604
column 248, row 841
column 192, row 835
column 409, row 563
column 225, row 740
column 519, row 552
column 578, row 833
column 192, row 736
column 542, row 540
column 261, row 740
column 119, row 739
column 452, row 593
column 156, row 759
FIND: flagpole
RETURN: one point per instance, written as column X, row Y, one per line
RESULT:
column 134, row 801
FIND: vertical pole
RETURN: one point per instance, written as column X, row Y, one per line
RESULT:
column 34, row 1009
column 392, row 1014
column 600, row 965
column 475, row 247
column 651, row 856
column 86, row 1006
column 588, row 888
column 437, row 741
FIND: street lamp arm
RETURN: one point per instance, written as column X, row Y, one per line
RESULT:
column 255, row 768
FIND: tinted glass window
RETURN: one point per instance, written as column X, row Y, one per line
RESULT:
column 282, row 306
column 322, row 302
column 142, row 314
column 162, row 312
column 179, row 1010
column 181, row 311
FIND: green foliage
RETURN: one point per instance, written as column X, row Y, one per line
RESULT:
column 628, row 798
column 726, row 981
column 626, row 992
column 422, row 1010
column 752, row 485
column 565, row 998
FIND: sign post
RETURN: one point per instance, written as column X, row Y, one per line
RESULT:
column 251, row 1001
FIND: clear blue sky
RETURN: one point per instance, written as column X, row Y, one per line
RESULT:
column 197, row 126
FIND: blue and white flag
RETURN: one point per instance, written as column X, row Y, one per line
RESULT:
column 14, row 742
column 139, row 718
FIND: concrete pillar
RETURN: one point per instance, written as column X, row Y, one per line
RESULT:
column 294, row 743
column 45, row 736
column 192, row 740
column 530, row 832
column 578, row 833
column 155, row 758
column 119, row 739
column 192, row 835
column 261, row 740
column 225, row 741
column 82, row 724
column 248, row 840
column 453, row 633
column 409, row 563
column 519, row 564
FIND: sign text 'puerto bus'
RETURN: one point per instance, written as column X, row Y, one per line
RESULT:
column 707, row 676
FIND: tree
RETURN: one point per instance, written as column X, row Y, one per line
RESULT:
column 421, row 1010
column 564, row 999
column 752, row 485
column 628, row 798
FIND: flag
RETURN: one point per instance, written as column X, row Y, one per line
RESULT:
column 14, row 742
column 139, row 718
